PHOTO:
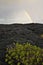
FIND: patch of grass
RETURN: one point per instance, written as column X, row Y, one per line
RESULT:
column 24, row 54
column 41, row 35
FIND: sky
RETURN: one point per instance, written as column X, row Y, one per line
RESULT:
column 21, row 11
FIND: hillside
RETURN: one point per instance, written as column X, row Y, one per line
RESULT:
column 20, row 33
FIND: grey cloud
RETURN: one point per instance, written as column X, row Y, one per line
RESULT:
column 34, row 8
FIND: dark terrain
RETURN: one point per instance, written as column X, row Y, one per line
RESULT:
column 20, row 33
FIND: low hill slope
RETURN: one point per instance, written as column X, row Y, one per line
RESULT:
column 20, row 33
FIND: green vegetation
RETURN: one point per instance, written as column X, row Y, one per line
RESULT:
column 41, row 35
column 24, row 54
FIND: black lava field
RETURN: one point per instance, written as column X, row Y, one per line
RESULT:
column 21, row 33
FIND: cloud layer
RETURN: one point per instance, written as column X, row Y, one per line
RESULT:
column 8, row 8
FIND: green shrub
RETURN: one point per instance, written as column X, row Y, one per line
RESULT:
column 24, row 54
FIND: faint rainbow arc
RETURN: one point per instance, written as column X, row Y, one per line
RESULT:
column 28, row 16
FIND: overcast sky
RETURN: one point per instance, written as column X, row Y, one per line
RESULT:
column 12, row 11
